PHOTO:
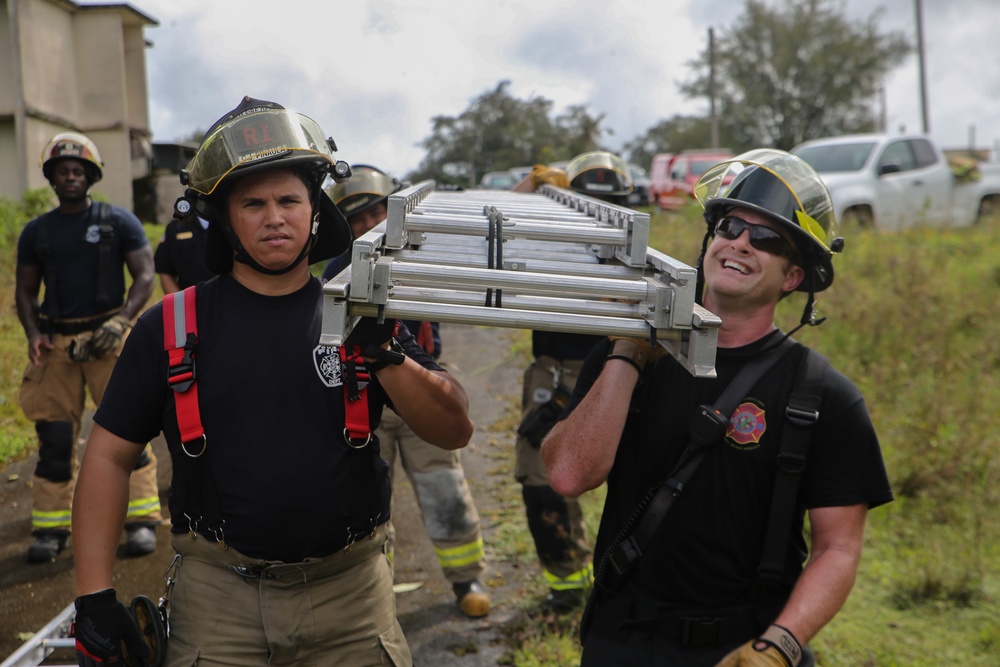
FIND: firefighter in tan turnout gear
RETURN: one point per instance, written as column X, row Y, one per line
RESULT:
column 449, row 513
column 78, row 251
column 555, row 521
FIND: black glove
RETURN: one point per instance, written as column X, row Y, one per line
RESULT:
column 108, row 336
column 368, row 332
column 106, row 633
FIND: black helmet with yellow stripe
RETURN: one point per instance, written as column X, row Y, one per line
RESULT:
column 786, row 189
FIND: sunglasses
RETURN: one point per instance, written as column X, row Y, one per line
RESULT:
column 761, row 238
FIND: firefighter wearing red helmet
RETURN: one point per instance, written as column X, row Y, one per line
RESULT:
column 279, row 498
column 79, row 251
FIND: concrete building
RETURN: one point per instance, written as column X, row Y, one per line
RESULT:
column 69, row 67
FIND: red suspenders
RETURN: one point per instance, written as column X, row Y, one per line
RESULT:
column 180, row 338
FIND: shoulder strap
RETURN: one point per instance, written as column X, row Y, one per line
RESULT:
column 104, row 254
column 44, row 249
column 802, row 414
column 180, row 340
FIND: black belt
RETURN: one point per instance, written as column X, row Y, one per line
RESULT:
column 622, row 615
column 71, row 327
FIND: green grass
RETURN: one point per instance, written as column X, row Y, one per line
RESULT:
column 911, row 322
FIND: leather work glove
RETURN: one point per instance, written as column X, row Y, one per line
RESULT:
column 541, row 175
column 106, row 339
column 777, row 647
column 636, row 351
column 106, row 633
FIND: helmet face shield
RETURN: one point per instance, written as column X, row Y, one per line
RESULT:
column 255, row 138
column 599, row 173
column 366, row 187
column 786, row 187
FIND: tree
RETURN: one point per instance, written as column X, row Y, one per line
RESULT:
column 675, row 135
column 499, row 131
column 784, row 75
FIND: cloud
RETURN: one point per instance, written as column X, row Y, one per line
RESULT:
column 374, row 73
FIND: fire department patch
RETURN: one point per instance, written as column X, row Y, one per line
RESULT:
column 327, row 361
column 93, row 234
column 747, row 425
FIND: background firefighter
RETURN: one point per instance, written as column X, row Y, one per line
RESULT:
column 446, row 505
column 79, row 252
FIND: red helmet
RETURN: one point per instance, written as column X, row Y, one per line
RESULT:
column 73, row 145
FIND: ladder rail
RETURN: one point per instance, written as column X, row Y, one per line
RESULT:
column 55, row 635
column 549, row 261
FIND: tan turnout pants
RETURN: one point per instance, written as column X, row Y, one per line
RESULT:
column 54, row 395
column 337, row 610
column 449, row 512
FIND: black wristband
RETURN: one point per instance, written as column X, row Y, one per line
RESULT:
column 625, row 357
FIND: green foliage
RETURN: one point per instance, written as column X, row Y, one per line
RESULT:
column 787, row 72
column 909, row 320
column 677, row 134
column 499, row 131
column 17, row 434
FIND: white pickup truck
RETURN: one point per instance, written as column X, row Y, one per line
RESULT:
column 899, row 181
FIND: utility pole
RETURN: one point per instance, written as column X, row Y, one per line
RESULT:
column 713, row 119
column 920, row 60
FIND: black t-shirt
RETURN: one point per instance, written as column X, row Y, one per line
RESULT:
column 707, row 550
column 74, row 244
column 272, row 403
column 181, row 252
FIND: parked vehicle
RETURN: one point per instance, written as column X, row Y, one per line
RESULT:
column 672, row 176
column 899, row 181
column 520, row 173
column 640, row 186
column 497, row 180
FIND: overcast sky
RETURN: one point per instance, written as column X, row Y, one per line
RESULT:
column 373, row 73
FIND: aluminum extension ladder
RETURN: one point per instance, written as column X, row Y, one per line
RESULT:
column 55, row 635
column 552, row 260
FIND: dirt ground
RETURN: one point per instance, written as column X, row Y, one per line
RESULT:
column 439, row 635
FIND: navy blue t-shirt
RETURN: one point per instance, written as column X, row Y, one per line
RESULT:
column 74, row 244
